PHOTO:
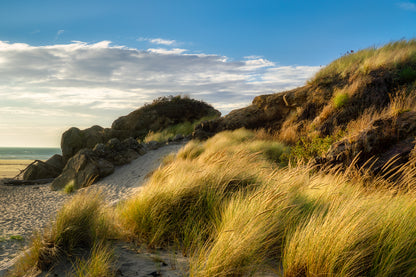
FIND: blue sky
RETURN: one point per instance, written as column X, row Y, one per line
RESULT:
column 80, row 63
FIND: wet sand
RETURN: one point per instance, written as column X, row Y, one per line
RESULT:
column 10, row 168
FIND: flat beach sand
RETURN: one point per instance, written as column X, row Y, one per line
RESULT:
column 24, row 209
column 10, row 168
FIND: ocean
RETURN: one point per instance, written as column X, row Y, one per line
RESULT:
column 26, row 153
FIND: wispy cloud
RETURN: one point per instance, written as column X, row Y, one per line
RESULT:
column 165, row 51
column 60, row 32
column 409, row 6
column 159, row 41
column 81, row 84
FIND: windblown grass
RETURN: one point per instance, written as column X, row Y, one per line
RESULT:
column 99, row 264
column 79, row 225
column 364, row 61
column 236, row 213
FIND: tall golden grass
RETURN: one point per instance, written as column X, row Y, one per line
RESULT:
column 235, row 212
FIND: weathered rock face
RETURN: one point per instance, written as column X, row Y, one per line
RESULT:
column 82, row 169
column 266, row 111
column 44, row 170
column 75, row 139
column 392, row 137
column 119, row 153
column 89, row 165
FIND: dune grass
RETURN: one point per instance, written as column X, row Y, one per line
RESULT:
column 79, row 226
column 99, row 264
column 235, row 211
column 390, row 56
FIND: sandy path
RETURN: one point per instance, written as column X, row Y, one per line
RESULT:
column 24, row 209
column 128, row 179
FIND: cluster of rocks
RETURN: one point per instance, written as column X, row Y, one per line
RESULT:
column 93, row 153
column 88, row 165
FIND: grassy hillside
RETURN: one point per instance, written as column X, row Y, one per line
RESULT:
column 299, row 198
column 228, row 205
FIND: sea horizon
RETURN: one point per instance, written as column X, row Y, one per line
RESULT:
column 28, row 153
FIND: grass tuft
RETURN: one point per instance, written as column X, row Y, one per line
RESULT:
column 81, row 223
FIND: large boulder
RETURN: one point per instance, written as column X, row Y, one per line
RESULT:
column 44, row 170
column 75, row 139
column 82, row 170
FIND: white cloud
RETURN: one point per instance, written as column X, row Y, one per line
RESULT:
column 165, row 51
column 60, row 32
column 409, row 6
column 80, row 84
column 159, row 41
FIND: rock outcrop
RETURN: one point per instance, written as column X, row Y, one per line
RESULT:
column 75, row 139
column 266, row 111
column 387, row 138
column 82, row 170
column 162, row 113
column 44, row 170
column 88, row 165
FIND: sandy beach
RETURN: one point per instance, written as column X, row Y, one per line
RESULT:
column 10, row 168
column 24, row 209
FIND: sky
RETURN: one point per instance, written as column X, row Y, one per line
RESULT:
column 83, row 63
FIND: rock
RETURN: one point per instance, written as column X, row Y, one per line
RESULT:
column 82, row 170
column 131, row 143
column 153, row 145
column 266, row 111
column 178, row 137
column 56, row 161
column 115, row 145
column 44, row 170
column 119, row 153
column 71, row 142
column 74, row 139
column 40, row 170
column 387, row 138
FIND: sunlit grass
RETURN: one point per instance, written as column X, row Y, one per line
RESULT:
column 364, row 61
column 228, row 205
column 184, row 129
column 82, row 222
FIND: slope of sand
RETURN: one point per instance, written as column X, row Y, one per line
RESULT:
column 24, row 209
column 10, row 168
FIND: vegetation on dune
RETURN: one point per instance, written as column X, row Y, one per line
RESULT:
column 83, row 224
column 255, row 202
column 237, row 213
column 228, row 205
column 185, row 129
column 399, row 56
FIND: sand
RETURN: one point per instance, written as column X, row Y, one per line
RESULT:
column 10, row 168
column 24, row 209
